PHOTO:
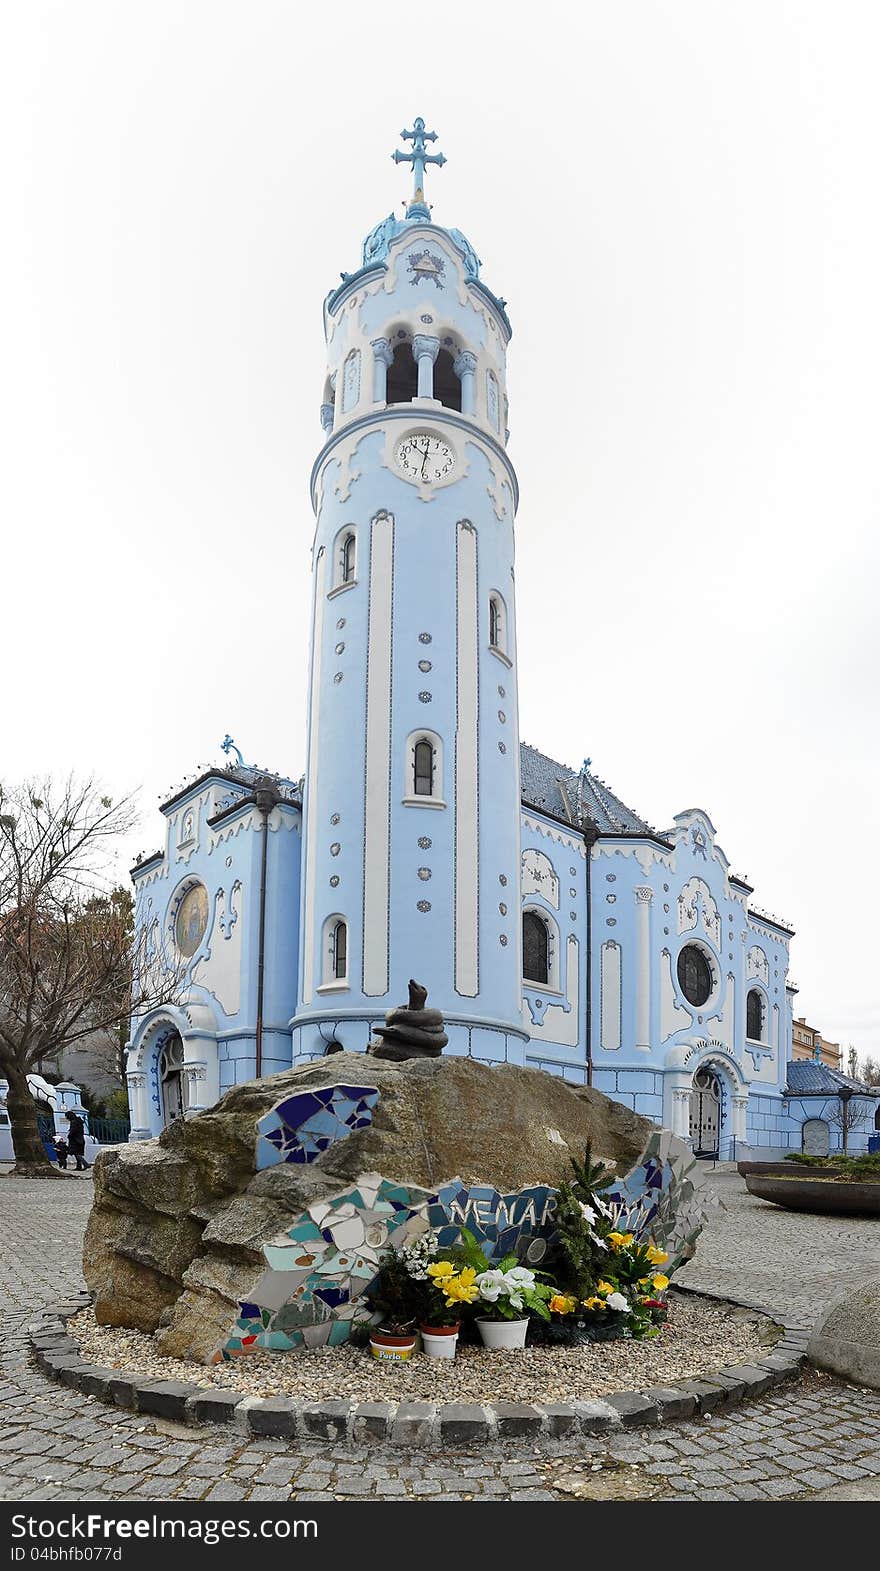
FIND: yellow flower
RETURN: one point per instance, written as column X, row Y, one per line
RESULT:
column 561, row 1305
column 461, row 1289
column 645, row 1281
column 605, row 1288
column 620, row 1240
column 594, row 1303
column 441, row 1269
column 660, row 1282
column 656, row 1256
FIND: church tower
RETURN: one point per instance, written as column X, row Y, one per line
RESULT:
column 412, row 792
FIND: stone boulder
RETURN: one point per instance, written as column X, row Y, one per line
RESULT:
column 260, row 1223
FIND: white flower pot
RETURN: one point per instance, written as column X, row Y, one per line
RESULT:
column 442, row 1346
column 503, row 1334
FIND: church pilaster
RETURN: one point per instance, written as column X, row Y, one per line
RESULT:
column 644, row 895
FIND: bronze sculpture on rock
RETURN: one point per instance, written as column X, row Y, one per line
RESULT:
column 411, row 1031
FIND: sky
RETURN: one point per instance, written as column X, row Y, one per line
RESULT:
column 677, row 199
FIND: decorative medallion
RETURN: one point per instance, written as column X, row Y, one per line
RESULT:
column 335, row 848
column 341, row 623
column 340, row 648
column 424, row 697
column 611, row 921
column 424, row 638
column 425, row 665
column 501, row 747
column 502, row 716
column 500, row 692
column 334, row 818
column 424, row 874
column 334, row 881
column 423, row 905
column 338, row 678
column 502, row 879
column 423, row 265
column 502, row 908
column 425, row 843
column 192, row 920
column 503, row 940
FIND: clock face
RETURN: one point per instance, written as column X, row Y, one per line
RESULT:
column 424, row 457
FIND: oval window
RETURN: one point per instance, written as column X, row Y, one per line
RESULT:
column 192, row 920
column 694, row 975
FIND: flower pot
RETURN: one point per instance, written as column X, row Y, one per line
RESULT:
column 439, row 1341
column 503, row 1334
column 387, row 1344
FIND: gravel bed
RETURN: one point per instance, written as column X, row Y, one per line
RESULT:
column 700, row 1336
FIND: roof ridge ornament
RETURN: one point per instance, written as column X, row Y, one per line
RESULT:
column 418, row 158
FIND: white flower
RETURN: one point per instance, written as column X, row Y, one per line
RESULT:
column 515, row 1301
column 520, row 1276
column 491, row 1284
column 587, row 1212
column 617, row 1301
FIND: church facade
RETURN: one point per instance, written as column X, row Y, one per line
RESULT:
column 551, row 924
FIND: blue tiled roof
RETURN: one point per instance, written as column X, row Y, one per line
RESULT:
column 572, row 793
column 806, row 1076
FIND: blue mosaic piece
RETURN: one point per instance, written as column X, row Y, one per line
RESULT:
column 300, row 1128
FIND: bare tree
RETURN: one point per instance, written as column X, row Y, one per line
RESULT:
column 871, row 1072
column 67, row 959
column 846, row 1114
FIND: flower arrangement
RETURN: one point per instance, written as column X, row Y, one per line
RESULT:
column 601, row 1283
column 608, row 1283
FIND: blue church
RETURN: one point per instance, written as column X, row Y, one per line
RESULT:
column 551, row 924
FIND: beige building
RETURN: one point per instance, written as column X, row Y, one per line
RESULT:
column 804, row 1041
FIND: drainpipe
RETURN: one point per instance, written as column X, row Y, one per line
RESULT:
column 266, row 796
column 591, row 835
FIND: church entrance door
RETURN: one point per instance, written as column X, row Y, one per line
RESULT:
column 705, row 1121
column 171, row 1079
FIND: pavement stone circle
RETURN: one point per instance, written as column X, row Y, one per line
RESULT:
column 811, row 1437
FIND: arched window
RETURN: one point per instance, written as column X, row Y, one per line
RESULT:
column 348, row 559
column 423, row 778
column 497, row 624
column 423, row 768
column 447, row 387
column 754, row 1016
column 402, row 383
column 344, row 559
column 536, row 949
column 694, row 975
column 334, row 958
column 340, row 951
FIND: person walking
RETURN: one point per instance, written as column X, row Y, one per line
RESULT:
column 76, row 1141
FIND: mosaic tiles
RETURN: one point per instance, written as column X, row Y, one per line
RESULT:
column 317, row 1272
column 320, row 1267
column 302, row 1127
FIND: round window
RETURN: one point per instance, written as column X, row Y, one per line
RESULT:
column 694, row 975
column 192, row 920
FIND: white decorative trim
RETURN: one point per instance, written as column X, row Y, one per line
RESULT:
column 611, row 1029
column 377, row 780
column 467, row 807
column 644, row 895
column 554, row 832
column 309, row 872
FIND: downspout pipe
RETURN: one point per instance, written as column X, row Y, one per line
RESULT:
column 591, row 835
column 266, row 796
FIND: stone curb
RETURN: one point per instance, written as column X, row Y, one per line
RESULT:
column 408, row 1423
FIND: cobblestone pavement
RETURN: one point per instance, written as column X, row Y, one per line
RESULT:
column 805, row 1440
column 787, row 1261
